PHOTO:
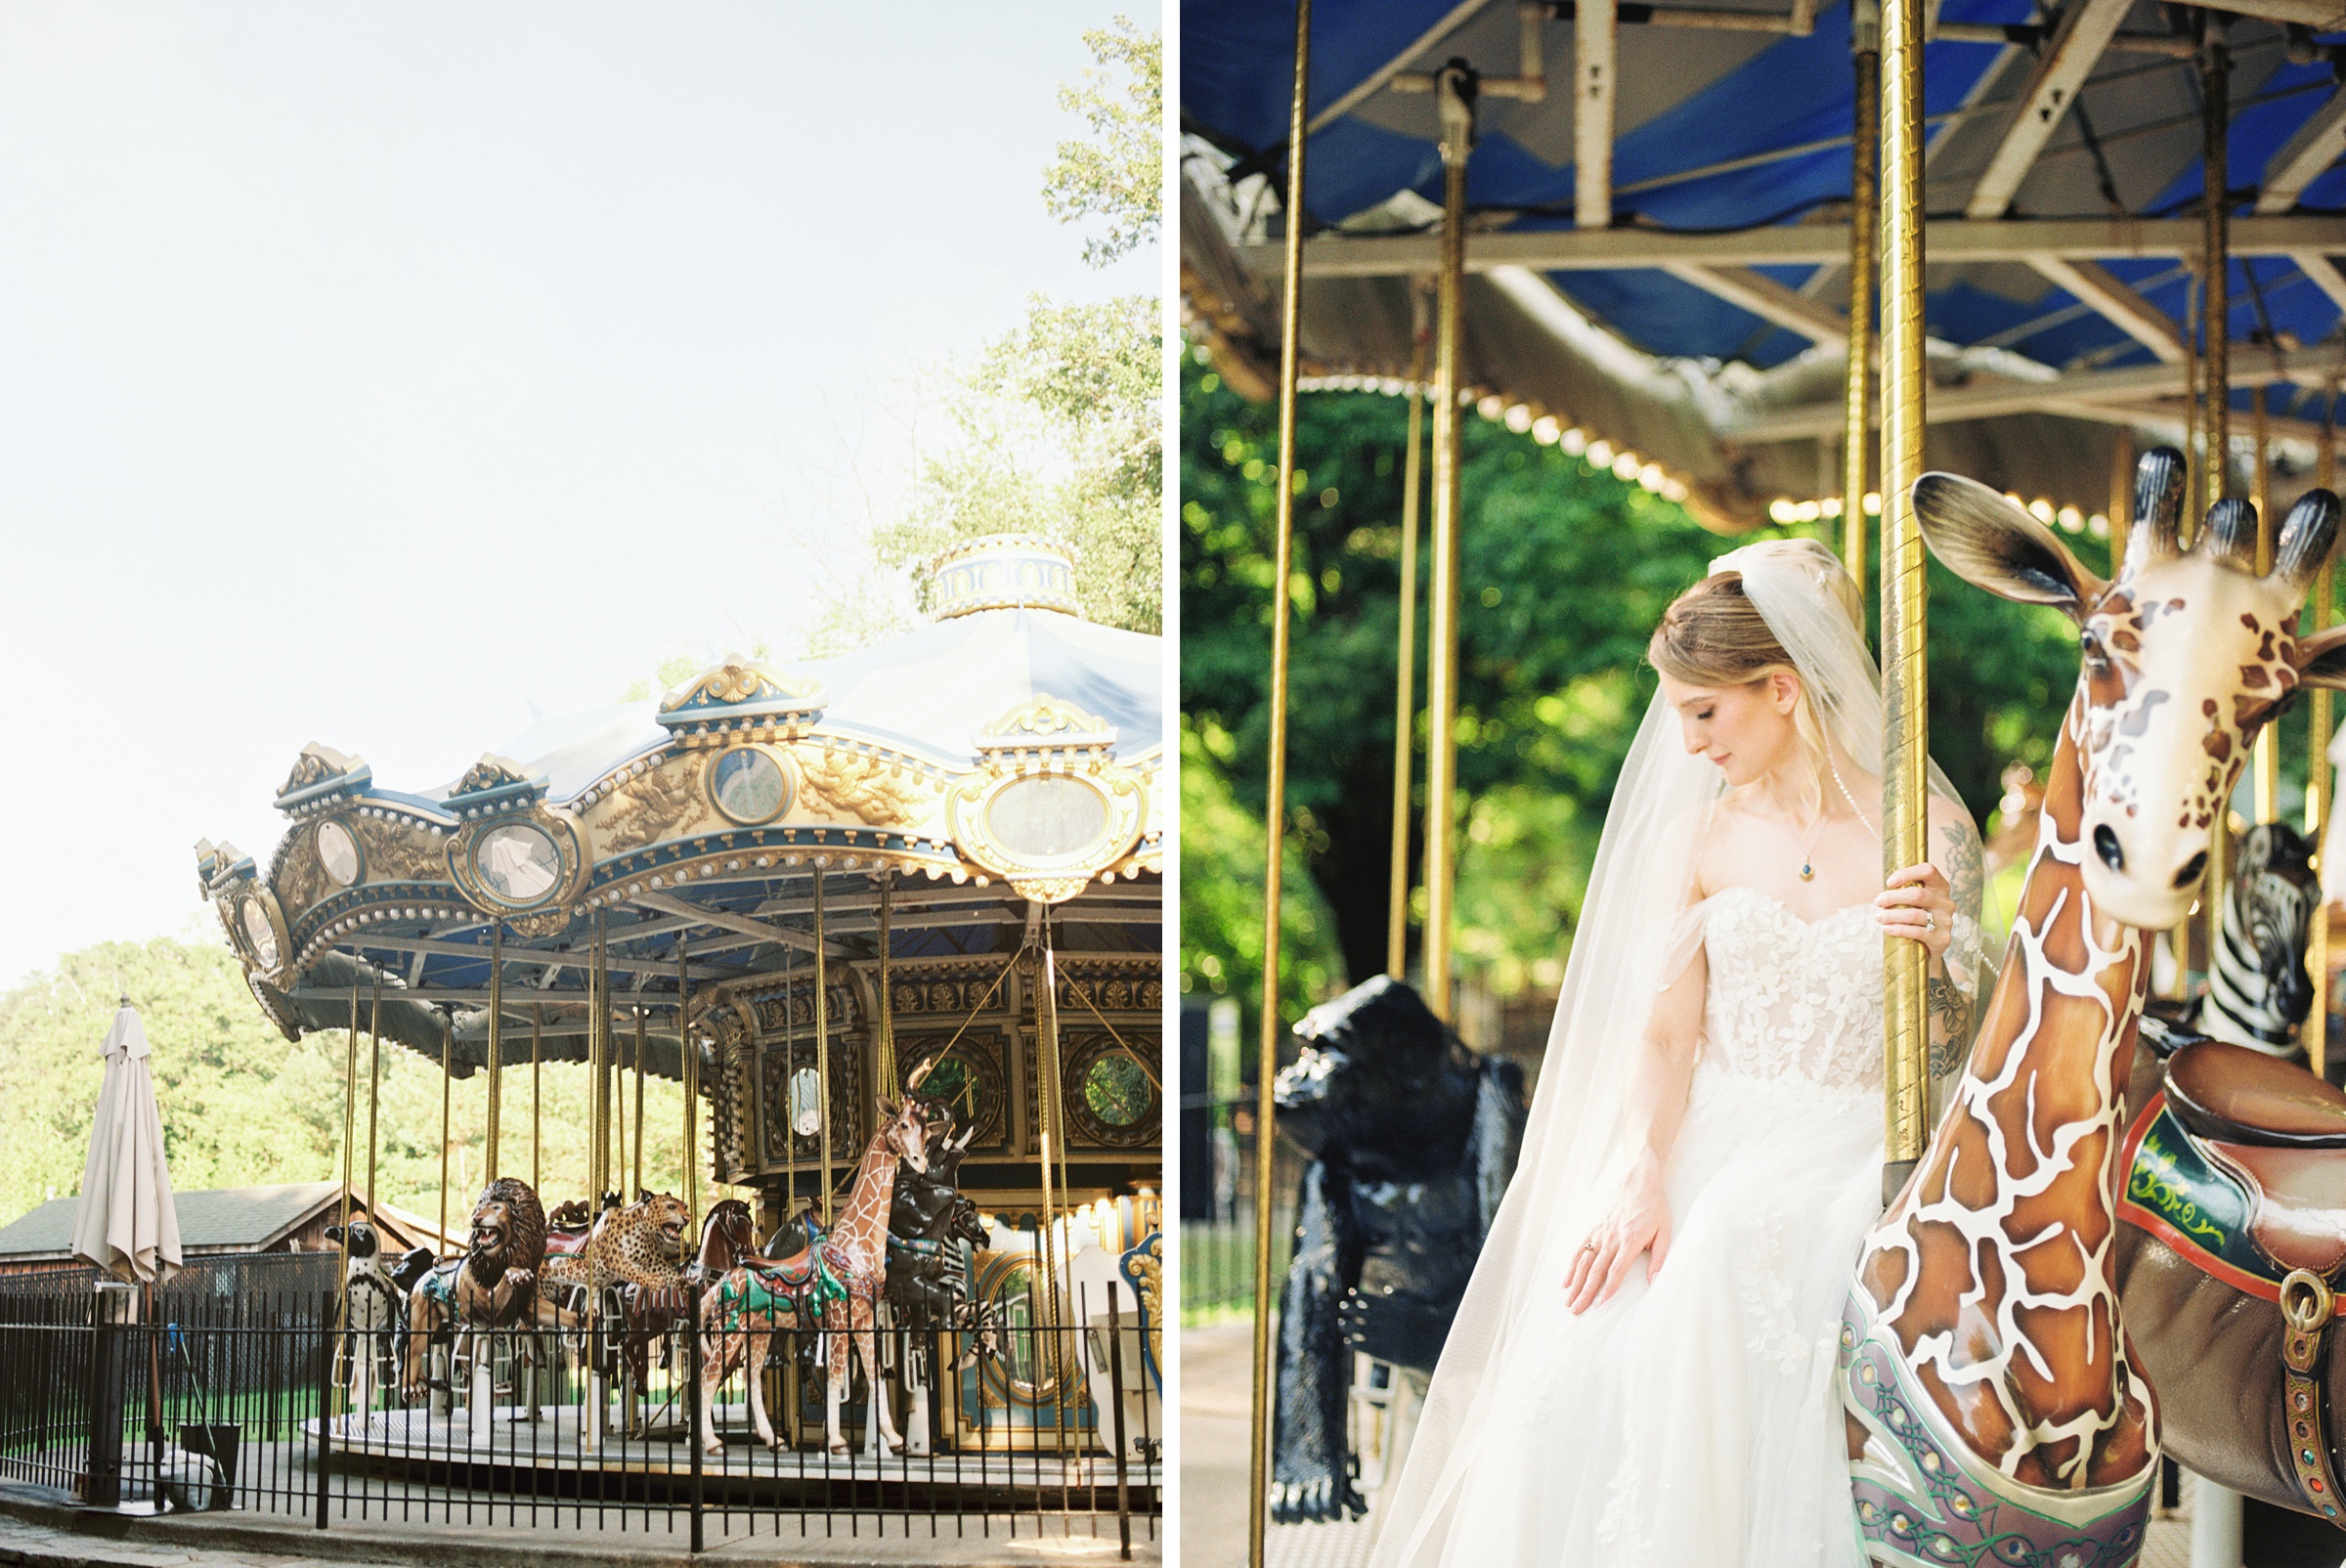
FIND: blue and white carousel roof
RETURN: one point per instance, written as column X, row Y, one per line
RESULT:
column 1007, row 756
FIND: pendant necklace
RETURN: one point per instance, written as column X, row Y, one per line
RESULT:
column 1808, row 857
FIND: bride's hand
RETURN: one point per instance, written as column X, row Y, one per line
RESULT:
column 1917, row 902
column 1639, row 1221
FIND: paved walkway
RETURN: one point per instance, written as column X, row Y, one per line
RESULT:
column 1215, row 1367
column 41, row 1530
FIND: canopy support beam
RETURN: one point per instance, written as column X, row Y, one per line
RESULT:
column 2084, row 32
column 743, row 925
column 2093, row 285
column 2305, row 157
column 1767, row 299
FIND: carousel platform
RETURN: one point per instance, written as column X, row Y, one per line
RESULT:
column 558, row 1445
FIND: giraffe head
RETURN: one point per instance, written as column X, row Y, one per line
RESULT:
column 904, row 1129
column 2186, row 655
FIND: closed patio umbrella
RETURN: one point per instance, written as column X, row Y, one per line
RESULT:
column 125, row 1223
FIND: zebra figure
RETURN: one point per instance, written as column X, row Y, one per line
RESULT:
column 2258, row 992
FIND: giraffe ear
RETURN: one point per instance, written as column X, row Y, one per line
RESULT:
column 1981, row 536
column 2321, row 659
column 888, row 1109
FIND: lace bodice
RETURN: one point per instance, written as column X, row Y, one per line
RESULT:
column 1789, row 998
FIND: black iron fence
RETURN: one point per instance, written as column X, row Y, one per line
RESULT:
column 1034, row 1422
column 1217, row 1248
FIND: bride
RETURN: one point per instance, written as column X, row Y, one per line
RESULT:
column 1641, row 1370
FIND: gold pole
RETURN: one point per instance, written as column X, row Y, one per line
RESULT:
column 790, row 1077
column 888, row 1001
column 496, row 1040
column 447, row 1079
column 350, row 1100
column 1405, row 698
column 1275, row 805
column 636, row 1187
column 375, row 1087
column 2215, row 78
column 340, row 1401
column 822, row 1044
column 1905, row 592
column 2194, row 455
column 1865, row 215
column 2215, row 84
column 1453, row 89
column 2317, row 762
column 598, row 1132
column 618, row 1122
column 688, row 1068
column 1054, row 1132
column 537, row 1098
column 2268, row 740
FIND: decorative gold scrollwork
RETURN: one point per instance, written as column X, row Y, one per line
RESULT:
column 870, row 789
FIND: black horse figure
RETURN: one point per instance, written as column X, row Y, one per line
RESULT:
column 1412, row 1138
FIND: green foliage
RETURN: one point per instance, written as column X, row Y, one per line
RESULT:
column 1565, row 571
column 241, row 1106
column 1058, row 428
column 1117, row 172
column 1223, row 850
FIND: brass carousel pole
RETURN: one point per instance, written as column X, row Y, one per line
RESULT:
column 790, row 1078
column 1405, row 701
column 2317, row 761
column 1275, row 807
column 2268, row 740
column 637, row 1186
column 1865, row 218
column 822, row 1045
column 497, row 1043
column 2215, row 79
column 537, row 1098
column 688, row 1069
column 885, row 1045
column 340, row 1402
column 447, row 1079
column 375, row 1087
column 1905, row 799
column 1453, row 90
column 618, row 1122
column 1055, row 1247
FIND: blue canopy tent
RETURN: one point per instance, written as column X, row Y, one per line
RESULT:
column 1691, row 324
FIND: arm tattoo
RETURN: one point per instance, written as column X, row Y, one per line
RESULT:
column 1966, row 878
column 1950, row 1006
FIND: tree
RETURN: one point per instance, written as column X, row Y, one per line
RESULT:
column 241, row 1106
column 1056, row 429
column 1118, row 173
column 1565, row 571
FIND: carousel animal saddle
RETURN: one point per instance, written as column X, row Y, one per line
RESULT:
column 2233, row 1164
column 561, row 1243
column 800, row 1285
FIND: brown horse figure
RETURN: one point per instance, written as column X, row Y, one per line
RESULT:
column 835, row 1283
column 1995, row 1401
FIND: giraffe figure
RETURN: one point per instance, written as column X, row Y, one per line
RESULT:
column 1996, row 1413
column 835, row 1282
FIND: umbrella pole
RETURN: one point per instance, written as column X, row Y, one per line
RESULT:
column 154, row 1398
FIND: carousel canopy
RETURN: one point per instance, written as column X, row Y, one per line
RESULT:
column 964, row 785
column 1660, row 272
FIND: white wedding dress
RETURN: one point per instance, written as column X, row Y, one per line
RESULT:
column 1693, row 1421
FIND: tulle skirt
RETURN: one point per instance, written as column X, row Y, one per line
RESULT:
column 1694, row 1419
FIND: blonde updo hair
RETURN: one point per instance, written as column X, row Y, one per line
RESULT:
column 1713, row 635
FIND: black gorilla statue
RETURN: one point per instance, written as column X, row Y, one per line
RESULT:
column 1413, row 1138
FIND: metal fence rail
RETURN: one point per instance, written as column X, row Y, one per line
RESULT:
column 1047, row 1423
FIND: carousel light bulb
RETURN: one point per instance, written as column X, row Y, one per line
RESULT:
column 1873, row 503
column 1574, row 441
column 1546, row 430
column 1491, row 405
column 2042, row 510
column 1832, row 506
column 1600, row 453
column 1650, row 477
column 1519, row 419
column 1783, row 510
column 1625, row 466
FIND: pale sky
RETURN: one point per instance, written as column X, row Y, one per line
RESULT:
column 371, row 372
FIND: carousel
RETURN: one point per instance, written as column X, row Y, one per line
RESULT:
column 892, row 920
column 1774, row 262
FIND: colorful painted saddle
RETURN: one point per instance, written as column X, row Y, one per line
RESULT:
column 2231, row 1165
column 802, row 1285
